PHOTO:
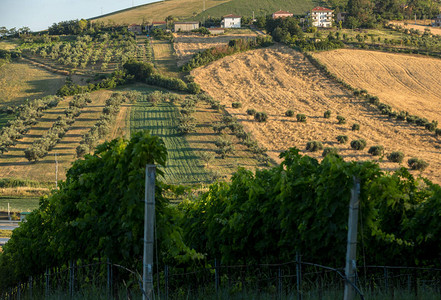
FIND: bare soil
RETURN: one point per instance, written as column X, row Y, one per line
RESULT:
column 278, row 78
column 186, row 45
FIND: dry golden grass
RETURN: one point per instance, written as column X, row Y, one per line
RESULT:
column 406, row 82
column 21, row 81
column 186, row 44
column 164, row 58
column 158, row 11
column 421, row 26
column 276, row 79
column 24, row 191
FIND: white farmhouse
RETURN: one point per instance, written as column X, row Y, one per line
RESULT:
column 321, row 17
column 231, row 21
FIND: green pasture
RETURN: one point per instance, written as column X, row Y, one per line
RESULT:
column 19, row 203
column 183, row 165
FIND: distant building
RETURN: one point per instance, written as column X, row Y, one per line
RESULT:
column 186, row 26
column 137, row 29
column 215, row 31
column 231, row 21
column 437, row 21
column 321, row 16
column 158, row 25
column 282, row 14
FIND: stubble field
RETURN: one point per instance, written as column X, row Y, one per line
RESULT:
column 406, row 82
column 276, row 79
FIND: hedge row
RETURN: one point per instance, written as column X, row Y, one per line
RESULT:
column 43, row 145
column 26, row 116
column 383, row 108
column 234, row 46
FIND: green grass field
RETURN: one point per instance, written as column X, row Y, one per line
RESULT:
column 259, row 7
column 183, row 165
column 164, row 58
column 18, row 203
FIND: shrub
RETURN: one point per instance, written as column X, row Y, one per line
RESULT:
column 314, row 146
column 327, row 114
column 236, row 105
column 207, row 157
column 342, row 139
column 355, row 127
column 289, row 113
column 376, row 150
column 301, row 118
column 251, row 111
column 431, row 126
column 438, row 132
column 396, row 156
column 330, row 150
column 411, row 119
column 261, row 117
column 218, row 127
column 82, row 150
column 417, row 164
column 193, row 88
column 374, row 100
column 224, row 147
column 358, row 144
column 341, row 120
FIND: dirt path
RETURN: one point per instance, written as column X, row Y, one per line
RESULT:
column 276, row 79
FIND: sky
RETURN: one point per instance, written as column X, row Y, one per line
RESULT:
column 40, row 14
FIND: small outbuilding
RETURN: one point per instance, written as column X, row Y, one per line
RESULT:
column 231, row 21
column 186, row 26
column 135, row 28
column 282, row 14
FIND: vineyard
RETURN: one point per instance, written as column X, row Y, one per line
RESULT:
column 280, row 79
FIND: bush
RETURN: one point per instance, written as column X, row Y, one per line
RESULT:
column 438, row 132
column 417, row 164
column 261, row 117
column 376, row 150
column 314, row 146
column 301, row 118
column 341, row 120
column 358, row 144
column 342, row 139
column 431, row 126
column 330, row 150
column 194, row 88
column 355, row 127
column 251, row 111
column 396, row 156
column 236, row 105
column 224, row 147
column 289, row 113
column 327, row 114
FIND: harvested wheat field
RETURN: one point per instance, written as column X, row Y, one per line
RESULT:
column 278, row 78
column 406, row 82
column 186, row 45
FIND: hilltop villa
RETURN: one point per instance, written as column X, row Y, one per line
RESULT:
column 231, row 21
column 321, row 16
column 282, row 14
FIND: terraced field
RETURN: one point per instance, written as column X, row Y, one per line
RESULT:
column 278, row 78
column 183, row 166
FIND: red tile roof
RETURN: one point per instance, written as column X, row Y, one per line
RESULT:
column 281, row 12
column 319, row 8
column 232, row 16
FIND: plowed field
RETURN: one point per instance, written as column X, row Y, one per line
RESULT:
column 406, row 82
column 276, row 79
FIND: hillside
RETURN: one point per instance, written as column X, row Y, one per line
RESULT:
column 158, row 11
column 277, row 79
column 406, row 82
column 259, row 7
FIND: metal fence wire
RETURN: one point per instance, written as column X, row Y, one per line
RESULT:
column 290, row 280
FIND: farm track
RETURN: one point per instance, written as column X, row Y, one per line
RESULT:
column 279, row 78
column 183, row 166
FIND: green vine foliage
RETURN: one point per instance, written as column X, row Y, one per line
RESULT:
column 302, row 206
column 98, row 213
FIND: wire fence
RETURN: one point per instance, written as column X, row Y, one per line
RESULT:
column 290, row 280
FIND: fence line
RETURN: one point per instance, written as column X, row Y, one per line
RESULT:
column 288, row 278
